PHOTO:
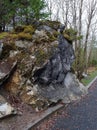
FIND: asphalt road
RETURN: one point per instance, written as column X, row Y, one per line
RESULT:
column 77, row 116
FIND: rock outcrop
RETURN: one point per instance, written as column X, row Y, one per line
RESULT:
column 43, row 75
column 54, row 81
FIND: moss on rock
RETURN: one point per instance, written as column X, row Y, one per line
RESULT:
column 29, row 29
column 24, row 36
column 41, row 56
column 70, row 34
column 3, row 35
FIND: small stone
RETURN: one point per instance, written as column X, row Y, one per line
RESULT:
column 5, row 108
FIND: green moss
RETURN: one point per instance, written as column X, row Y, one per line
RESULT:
column 23, row 32
column 41, row 56
column 3, row 35
column 56, row 33
column 13, row 36
column 24, row 36
column 29, row 29
column 68, row 37
column 70, row 34
column 51, row 37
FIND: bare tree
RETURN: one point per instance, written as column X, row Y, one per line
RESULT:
column 81, row 16
column 92, row 42
column 79, row 64
column 91, row 11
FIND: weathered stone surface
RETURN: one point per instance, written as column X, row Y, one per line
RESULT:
column 23, row 44
column 6, row 67
column 45, row 28
column 5, row 108
column 39, row 36
column 14, row 86
column 54, row 81
column 58, row 65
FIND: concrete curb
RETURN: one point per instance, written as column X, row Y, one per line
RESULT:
column 91, row 82
column 45, row 115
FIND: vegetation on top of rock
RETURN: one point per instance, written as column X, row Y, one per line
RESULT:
column 22, row 32
column 3, row 35
column 29, row 29
column 41, row 56
column 24, row 36
column 25, row 29
column 71, row 35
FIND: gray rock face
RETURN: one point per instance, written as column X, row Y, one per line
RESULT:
column 58, row 65
column 69, row 91
column 45, row 28
column 54, row 80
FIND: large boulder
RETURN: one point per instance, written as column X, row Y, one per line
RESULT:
column 53, row 79
column 43, row 75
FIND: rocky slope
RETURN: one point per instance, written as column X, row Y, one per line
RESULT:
column 38, row 60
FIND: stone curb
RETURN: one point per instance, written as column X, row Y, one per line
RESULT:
column 45, row 115
column 91, row 82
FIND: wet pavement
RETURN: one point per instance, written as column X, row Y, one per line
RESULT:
column 77, row 116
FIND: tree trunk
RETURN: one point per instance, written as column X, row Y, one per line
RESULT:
column 14, row 23
column 0, row 28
